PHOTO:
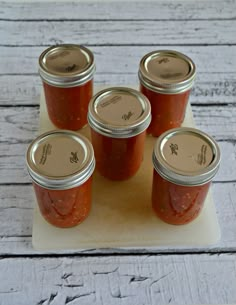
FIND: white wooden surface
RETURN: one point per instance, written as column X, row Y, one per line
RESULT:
column 119, row 34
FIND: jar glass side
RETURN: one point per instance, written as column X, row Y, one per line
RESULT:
column 65, row 208
column 118, row 158
column 68, row 107
column 177, row 204
column 168, row 110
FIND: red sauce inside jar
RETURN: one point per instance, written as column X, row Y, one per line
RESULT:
column 67, row 74
column 118, row 159
column 118, row 118
column 177, row 204
column 168, row 110
column 61, row 164
column 65, row 208
column 166, row 78
column 68, row 107
column 185, row 161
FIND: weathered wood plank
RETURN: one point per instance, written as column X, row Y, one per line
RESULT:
column 16, row 211
column 13, row 168
column 20, row 89
column 118, row 10
column 117, row 33
column 217, row 121
column 208, row 88
column 176, row 279
column 122, row 59
column 12, row 162
column 21, row 124
column 188, row 279
column 16, row 217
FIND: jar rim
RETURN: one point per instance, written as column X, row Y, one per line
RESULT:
column 166, row 85
column 76, row 71
column 45, row 173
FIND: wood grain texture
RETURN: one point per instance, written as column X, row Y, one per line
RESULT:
column 145, row 280
column 122, row 59
column 216, row 88
column 183, row 32
column 13, row 167
column 20, row 90
column 165, row 10
column 16, row 216
column 22, row 124
column 119, row 34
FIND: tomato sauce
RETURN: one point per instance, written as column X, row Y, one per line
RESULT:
column 118, row 118
column 68, row 107
column 65, row 208
column 61, row 164
column 118, row 159
column 177, row 204
column 185, row 160
column 67, row 74
column 168, row 110
column 166, row 78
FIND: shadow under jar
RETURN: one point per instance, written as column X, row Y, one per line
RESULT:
column 185, row 161
column 118, row 118
column 166, row 78
column 61, row 164
column 67, row 73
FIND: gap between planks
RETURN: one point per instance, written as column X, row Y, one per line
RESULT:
column 118, row 253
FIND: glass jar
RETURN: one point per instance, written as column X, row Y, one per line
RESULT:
column 67, row 73
column 185, row 161
column 166, row 78
column 118, row 118
column 61, row 164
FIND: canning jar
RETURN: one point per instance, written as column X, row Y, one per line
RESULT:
column 166, row 78
column 118, row 118
column 67, row 73
column 61, row 164
column 185, row 161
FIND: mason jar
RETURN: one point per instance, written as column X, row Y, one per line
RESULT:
column 166, row 78
column 67, row 73
column 118, row 118
column 61, row 164
column 185, row 160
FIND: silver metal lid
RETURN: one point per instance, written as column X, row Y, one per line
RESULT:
column 186, row 156
column 60, row 159
column 66, row 65
column 167, row 72
column 119, row 112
